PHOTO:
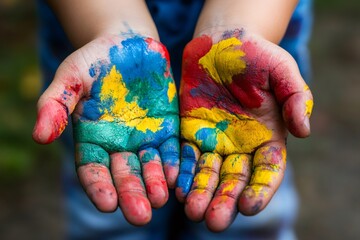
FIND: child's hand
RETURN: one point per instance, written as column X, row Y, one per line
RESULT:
column 124, row 105
column 239, row 94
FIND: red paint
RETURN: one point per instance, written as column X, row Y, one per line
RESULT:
column 51, row 122
column 197, row 88
column 221, row 213
column 247, row 90
column 156, row 186
column 133, row 200
column 75, row 88
column 196, row 204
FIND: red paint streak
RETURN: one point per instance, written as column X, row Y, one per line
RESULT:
column 51, row 122
column 249, row 87
column 75, row 88
column 197, row 87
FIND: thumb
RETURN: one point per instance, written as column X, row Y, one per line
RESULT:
column 57, row 102
column 292, row 93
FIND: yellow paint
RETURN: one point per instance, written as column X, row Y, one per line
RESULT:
column 229, row 187
column 211, row 163
column 264, row 176
column 258, row 190
column 309, row 106
column 130, row 113
column 242, row 135
column 62, row 126
column 171, row 91
column 306, row 87
column 224, row 60
column 233, row 165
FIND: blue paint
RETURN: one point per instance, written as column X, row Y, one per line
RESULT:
column 143, row 71
column 94, row 107
column 170, row 151
column 143, row 74
column 92, row 71
column 187, row 169
column 207, row 136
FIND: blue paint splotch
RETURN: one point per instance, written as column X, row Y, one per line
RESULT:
column 187, row 169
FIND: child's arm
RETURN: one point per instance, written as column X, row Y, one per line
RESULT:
column 269, row 19
column 239, row 95
column 85, row 20
column 120, row 92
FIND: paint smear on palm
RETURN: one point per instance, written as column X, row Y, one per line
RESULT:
column 133, row 100
column 216, row 130
column 129, row 113
column 224, row 60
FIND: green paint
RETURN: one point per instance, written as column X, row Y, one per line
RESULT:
column 222, row 125
column 134, row 164
column 91, row 153
column 147, row 156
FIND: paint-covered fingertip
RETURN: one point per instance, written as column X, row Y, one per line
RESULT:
column 50, row 123
column 220, row 214
column 157, row 193
column 196, row 205
column 45, row 135
column 250, row 205
column 136, row 208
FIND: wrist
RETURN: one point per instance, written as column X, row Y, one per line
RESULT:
column 256, row 16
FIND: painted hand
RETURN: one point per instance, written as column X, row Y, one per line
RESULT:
column 239, row 95
column 124, row 106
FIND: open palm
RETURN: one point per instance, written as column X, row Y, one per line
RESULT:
column 238, row 96
column 124, row 105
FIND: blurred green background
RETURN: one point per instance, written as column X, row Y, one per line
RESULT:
column 327, row 165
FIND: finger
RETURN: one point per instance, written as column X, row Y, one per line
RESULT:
column 189, row 157
column 292, row 92
column 126, row 172
column 269, row 165
column 234, row 175
column 296, row 113
column 154, row 177
column 204, row 185
column 169, row 154
column 93, row 171
column 57, row 102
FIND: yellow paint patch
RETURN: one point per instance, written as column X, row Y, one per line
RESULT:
column 309, row 106
column 229, row 187
column 224, row 60
column 171, row 91
column 265, row 175
column 211, row 163
column 235, row 164
column 130, row 113
column 242, row 135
